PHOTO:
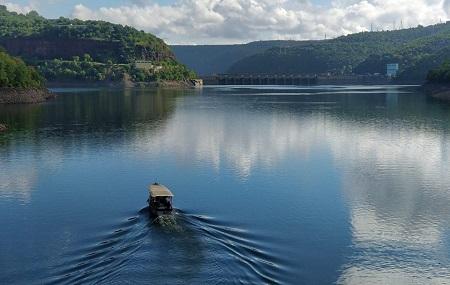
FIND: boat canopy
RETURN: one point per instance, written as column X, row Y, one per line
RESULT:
column 157, row 190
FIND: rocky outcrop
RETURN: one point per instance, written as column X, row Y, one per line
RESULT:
column 24, row 96
column 438, row 91
column 50, row 48
column 192, row 83
column 3, row 128
column 46, row 48
column 197, row 83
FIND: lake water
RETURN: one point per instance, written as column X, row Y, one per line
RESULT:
column 273, row 185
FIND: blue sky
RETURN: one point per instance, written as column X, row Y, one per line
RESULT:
column 240, row 21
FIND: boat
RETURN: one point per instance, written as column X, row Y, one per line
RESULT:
column 160, row 199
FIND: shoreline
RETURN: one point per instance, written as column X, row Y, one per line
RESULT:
column 172, row 84
column 9, row 95
column 437, row 91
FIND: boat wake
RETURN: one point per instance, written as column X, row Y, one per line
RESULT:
column 196, row 248
column 256, row 264
column 96, row 262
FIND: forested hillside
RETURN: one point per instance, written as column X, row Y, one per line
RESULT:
column 14, row 73
column 440, row 74
column 417, row 50
column 216, row 59
column 71, row 49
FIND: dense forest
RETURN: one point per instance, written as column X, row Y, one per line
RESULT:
column 440, row 74
column 14, row 73
column 71, row 49
column 417, row 50
column 85, row 69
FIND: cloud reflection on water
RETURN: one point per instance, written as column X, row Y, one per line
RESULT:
column 19, row 174
column 394, row 173
column 397, row 186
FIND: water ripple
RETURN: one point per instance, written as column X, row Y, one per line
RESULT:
column 237, row 255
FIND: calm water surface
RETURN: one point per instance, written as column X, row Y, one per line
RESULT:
column 346, row 185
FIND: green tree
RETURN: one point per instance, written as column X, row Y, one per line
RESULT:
column 15, row 73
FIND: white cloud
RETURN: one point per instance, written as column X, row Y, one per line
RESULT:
column 22, row 9
column 236, row 21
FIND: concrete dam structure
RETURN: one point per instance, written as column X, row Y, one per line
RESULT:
column 231, row 79
column 306, row 80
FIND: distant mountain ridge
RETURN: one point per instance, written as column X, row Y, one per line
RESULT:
column 417, row 50
column 216, row 59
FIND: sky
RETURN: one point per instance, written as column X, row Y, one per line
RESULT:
column 241, row 21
